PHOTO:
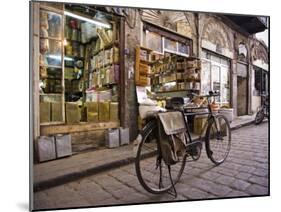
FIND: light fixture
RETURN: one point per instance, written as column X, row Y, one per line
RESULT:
column 58, row 57
column 99, row 23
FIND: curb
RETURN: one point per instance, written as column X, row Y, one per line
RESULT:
column 39, row 186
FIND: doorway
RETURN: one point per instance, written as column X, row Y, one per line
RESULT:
column 242, row 90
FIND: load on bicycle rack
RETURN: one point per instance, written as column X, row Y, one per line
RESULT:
column 165, row 144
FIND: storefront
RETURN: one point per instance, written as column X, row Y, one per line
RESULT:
column 260, row 73
column 88, row 60
column 77, row 71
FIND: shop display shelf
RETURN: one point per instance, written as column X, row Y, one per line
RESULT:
column 106, row 47
column 178, row 90
column 50, row 38
column 50, row 66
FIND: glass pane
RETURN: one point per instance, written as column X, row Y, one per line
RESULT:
column 50, row 80
column 216, row 80
column 225, row 62
column 215, row 59
column 225, row 91
column 206, row 77
column 154, row 41
column 50, row 24
column 170, row 44
column 183, row 48
column 50, row 52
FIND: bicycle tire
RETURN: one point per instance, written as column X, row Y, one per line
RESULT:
column 148, row 130
column 259, row 117
column 214, row 137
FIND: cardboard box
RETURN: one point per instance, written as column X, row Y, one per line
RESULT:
column 199, row 124
column 103, row 111
column 72, row 112
column 46, row 148
column 114, row 111
column 56, row 109
column 92, row 110
column 63, row 145
column 45, row 112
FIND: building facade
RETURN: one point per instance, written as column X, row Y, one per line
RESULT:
column 233, row 61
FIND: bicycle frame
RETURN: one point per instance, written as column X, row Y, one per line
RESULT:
column 203, row 130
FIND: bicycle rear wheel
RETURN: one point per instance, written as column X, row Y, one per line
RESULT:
column 152, row 172
column 218, row 139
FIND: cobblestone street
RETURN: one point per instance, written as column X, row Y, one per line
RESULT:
column 244, row 173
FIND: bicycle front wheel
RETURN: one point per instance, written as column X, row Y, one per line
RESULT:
column 259, row 117
column 218, row 139
column 152, row 172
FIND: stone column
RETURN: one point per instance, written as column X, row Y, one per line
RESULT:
column 233, row 74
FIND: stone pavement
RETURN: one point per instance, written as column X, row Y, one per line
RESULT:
column 244, row 173
column 67, row 169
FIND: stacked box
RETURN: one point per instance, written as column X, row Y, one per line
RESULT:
column 104, row 111
column 199, row 122
column 68, row 73
column 56, row 108
column 92, row 111
column 114, row 111
column 144, row 69
column 63, row 145
column 45, row 112
column 72, row 112
column 46, row 148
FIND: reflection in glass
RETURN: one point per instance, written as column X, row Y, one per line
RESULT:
column 50, row 24
column 154, row 41
column 183, row 48
column 170, row 45
column 50, row 52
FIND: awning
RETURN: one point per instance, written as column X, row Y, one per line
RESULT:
column 251, row 24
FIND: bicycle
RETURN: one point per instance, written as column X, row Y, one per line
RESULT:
column 263, row 110
column 154, row 175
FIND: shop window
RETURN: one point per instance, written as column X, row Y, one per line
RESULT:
column 261, row 82
column 215, row 76
column 50, row 71
column 163, row 43
column 183, row 48
column 79, row 84
column 170, row 45
column 153, row 41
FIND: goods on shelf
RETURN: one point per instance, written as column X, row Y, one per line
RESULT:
column 72, row 112
column 113, row 111
column 56, row 108
column 198, row 125
column 104, row 111
column 45, row 112
column 92, row 109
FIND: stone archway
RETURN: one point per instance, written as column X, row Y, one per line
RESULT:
column 215, row 37
column 181, row 22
